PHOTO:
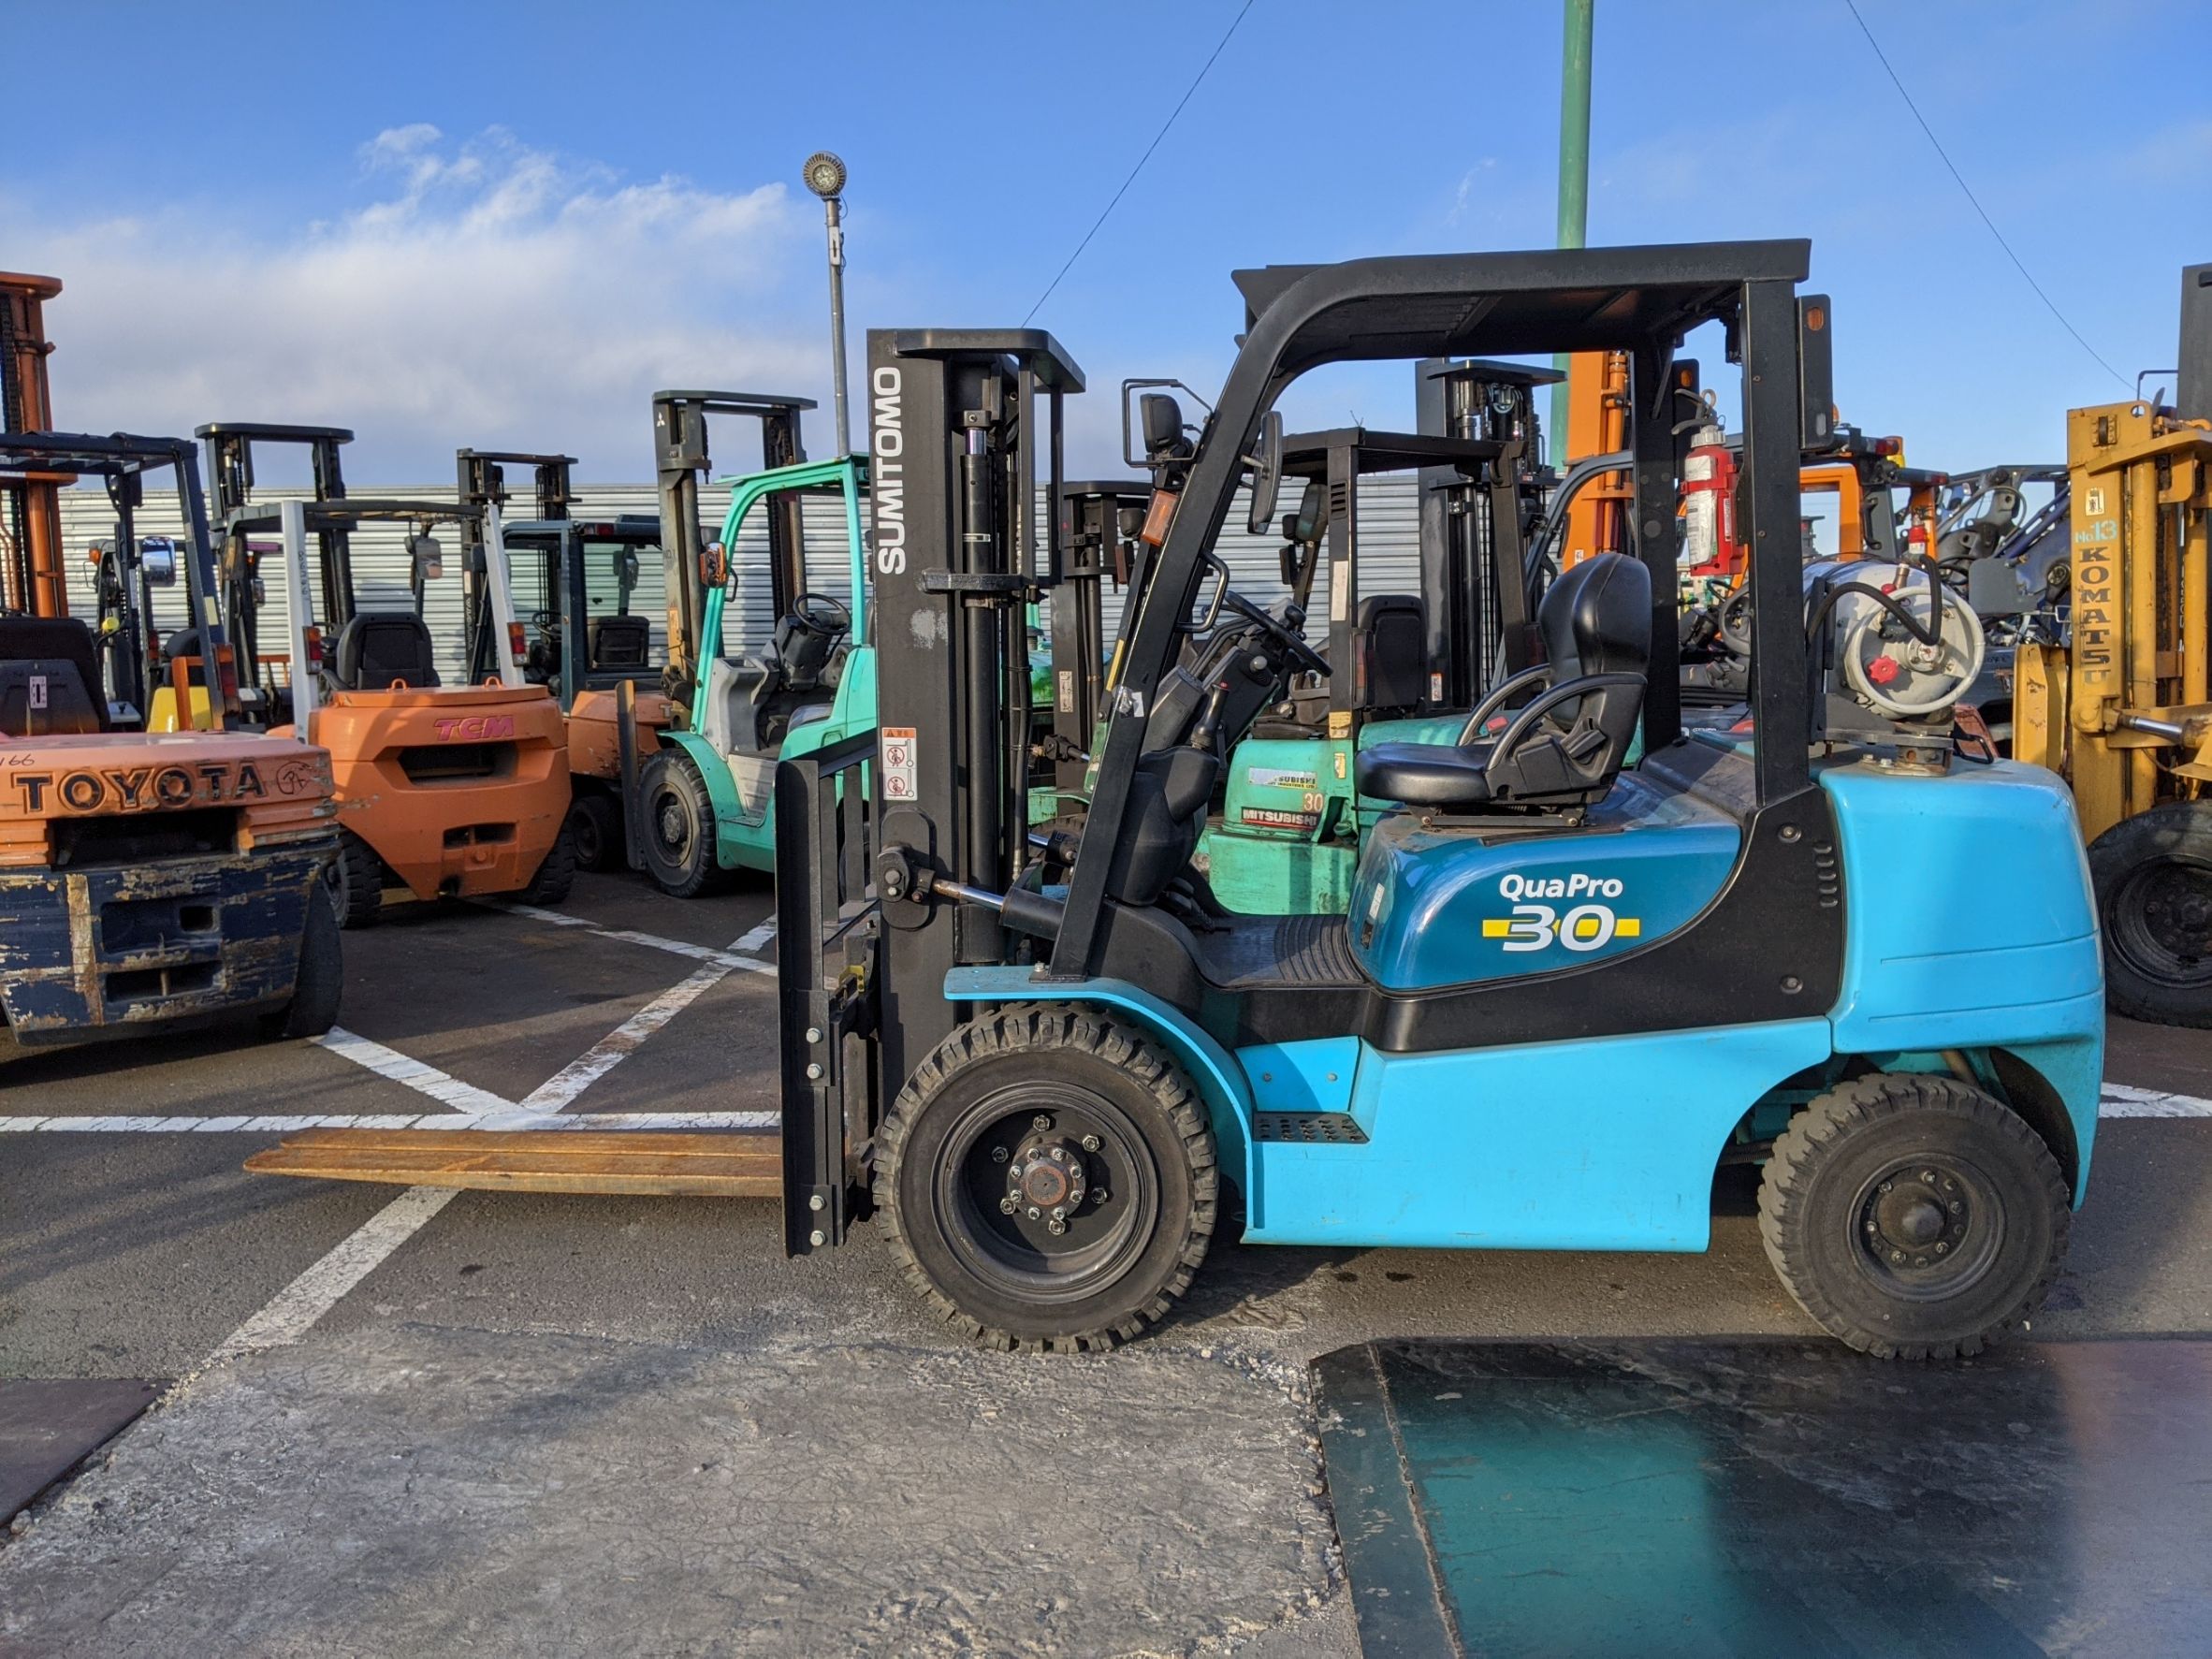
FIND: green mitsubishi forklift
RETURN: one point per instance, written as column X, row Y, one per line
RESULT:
column 1566, row 985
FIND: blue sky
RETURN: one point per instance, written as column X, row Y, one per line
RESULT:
column 504, row 225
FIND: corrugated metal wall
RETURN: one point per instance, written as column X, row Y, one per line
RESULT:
column 1389, row 526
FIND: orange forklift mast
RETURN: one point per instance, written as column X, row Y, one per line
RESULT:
column 444, row 790
column 31, row 573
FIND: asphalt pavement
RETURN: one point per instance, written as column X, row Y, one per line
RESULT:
column 515, row 1399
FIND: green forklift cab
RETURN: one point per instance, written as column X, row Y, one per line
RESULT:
column 704, row 798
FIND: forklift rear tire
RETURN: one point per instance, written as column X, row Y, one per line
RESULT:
column 557, row 872
column 676, row 817
column 1914, row 1216
column 2153, row 876
column 356, row 883
column 313, row 1007
column 1048, row 1181
column 595, row 826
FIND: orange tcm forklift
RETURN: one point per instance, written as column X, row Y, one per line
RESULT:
column 445, row 790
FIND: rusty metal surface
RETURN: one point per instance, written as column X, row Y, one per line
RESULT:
column 226, row 927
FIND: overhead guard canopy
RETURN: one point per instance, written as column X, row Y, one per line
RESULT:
column 1568, row 299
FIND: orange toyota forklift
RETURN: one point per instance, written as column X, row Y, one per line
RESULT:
column 444, row 790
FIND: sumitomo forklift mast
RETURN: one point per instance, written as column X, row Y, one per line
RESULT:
column 1565, row 988
column 31, row 578
column 2123, row 706
column 599, row 667
column 445, row 791
column 682, row 459
column 149, row 879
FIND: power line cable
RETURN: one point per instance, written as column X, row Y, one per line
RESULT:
column 1851, row 7
column 1140, row 161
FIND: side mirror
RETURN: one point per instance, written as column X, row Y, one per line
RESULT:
column 429, row 559
column 258, row 589
column 714, row 565
column 1267, row 473
column 1288, row 561
column 626, row 566
column 157, row 558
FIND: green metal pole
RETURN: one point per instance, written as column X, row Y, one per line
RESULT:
column 1574, row 169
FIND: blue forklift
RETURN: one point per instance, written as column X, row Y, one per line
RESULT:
column 1567, row 988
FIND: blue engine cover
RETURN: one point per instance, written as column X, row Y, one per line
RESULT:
column 1445, row 907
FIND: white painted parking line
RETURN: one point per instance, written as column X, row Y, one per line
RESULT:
column 510, row 1117
column 293, row 1310
column 391, row 1064
column 2123, row 1101
column 621, row 1043
column 737, row 955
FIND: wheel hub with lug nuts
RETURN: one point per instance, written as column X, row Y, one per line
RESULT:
column 1047, row 1181
column 1917, row 1218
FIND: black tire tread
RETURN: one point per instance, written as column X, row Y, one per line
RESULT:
column 706, row 875
column 556, row 872
column 1832, row 1116
column 1027, row 1028
column 360, row 899
column 2176, row 825
column 313, row 1008
column 603, row 815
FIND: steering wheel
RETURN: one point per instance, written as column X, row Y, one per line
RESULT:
column 1301, row 655
column 817, row 613
column 545, row 622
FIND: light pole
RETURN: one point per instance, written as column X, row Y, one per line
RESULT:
column 825, row 177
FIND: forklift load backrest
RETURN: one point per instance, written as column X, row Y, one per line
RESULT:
column 47, row 676
column 378, row 649
column 1568, row 745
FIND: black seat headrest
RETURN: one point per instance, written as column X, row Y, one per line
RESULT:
column 378, row 647
column 1596, row 619
column 50, row 678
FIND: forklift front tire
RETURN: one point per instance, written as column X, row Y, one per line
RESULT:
column 2153, row 876
column 313, row 1007
column 676, row 819
column 355, row 882
column 1048, row 1181
column 1914, row 1216
column 557, row 871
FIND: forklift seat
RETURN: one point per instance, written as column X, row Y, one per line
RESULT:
column 49, row 678
column 1565, row 748
column 620, row 642
column 378, row 647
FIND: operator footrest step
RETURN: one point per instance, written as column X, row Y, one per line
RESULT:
column 1339, row 1129
column 701, row 1164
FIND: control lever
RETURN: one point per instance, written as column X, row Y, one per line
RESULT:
column 1054, row 747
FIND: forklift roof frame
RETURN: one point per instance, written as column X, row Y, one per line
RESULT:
column 1641, row 300
column 52, row 457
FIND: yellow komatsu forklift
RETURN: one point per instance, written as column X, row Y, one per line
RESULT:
column 2121, row 703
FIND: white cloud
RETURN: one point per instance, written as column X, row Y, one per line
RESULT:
column 490, row 294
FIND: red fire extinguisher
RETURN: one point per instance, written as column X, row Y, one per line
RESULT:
column 1710, row 547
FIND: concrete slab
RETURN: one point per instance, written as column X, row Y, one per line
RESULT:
column 420, row 1491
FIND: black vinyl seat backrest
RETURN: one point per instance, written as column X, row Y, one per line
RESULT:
column 378, row 647
column 620, row 642
column 49, row 678
column 1390, row 643
column 1565, row 748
